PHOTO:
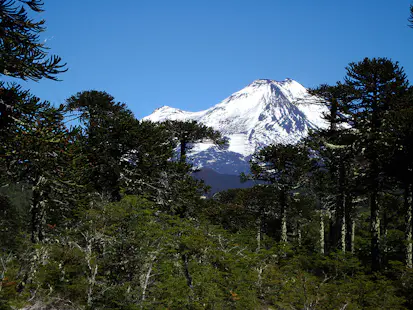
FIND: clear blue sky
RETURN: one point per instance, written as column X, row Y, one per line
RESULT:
column 192, row 54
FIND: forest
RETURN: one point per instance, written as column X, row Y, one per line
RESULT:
column 105, row 214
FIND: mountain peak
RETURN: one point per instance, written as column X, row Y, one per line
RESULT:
column 165, row 113
column 162, row 108
column 264, row 112
column 261, row 81
column 270, row 82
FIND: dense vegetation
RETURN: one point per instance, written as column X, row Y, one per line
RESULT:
column 104, row 215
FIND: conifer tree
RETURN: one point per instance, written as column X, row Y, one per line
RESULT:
column 399, row 164
column 284, row 167
column 34, row 150
column 108, row 136
column 188, row 132
column 373, row 88
column 124, row 153
column 333, row 147
column 22, row 54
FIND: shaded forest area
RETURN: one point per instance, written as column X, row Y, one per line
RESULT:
column 105, row 215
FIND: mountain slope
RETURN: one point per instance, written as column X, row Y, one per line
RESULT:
column 263, row 113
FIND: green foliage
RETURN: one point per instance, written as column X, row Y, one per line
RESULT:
column 22, row 54
column 329, row 283
column 282, row 165
column 14, row 209
column 108, row 133
column 188, row 132
column 117, row 223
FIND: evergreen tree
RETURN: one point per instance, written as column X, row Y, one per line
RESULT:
column 399, row 165
column 334, row 154
column 108, row 136
column 124, row 154
column 22, row 54
column 34, row 152
column 162, row 246
column 247, row 209
column 189, row 132
column 145, row 164
column 284, row 167
column 372, row 88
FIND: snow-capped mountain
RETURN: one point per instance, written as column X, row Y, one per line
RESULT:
column 265, row 112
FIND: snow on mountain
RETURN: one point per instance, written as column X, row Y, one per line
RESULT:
column 265, row 112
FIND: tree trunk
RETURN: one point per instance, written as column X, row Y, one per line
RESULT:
column 383, row 232
column 283, row 203
column 349, row 223
column 333, row 116
column 353, row 235
column 186, row 271
column 375, row 232
column 343, row 234
column 408, row 209
column 146, row 276
column 258, row 224
column 183, row 151
column 332, row 233
column 322, row 232
column 93, row 270
column 258, row 284
column 374, row 176
column 341, row 207
column 38, row 211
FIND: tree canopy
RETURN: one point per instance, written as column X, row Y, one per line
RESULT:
column 107, row 214
column 22, row 53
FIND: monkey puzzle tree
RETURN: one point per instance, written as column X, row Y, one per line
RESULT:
column 108, row 135
column 35, row 151
column 284, row 167
column 399, row 166
column 334, row 155
column 22, row 54
column 373, row 88
column 188, row 132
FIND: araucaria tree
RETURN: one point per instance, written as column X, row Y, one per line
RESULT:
column 283, row 166
column 32, row 133
column 109, row 134
column 399, row 166
column 102, row 216
column 22, row 54
column 333, row 156
column 185, row 133
column 34, row 150
column 373, row 87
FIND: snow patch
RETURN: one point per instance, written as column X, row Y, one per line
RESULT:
column 264, row 112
